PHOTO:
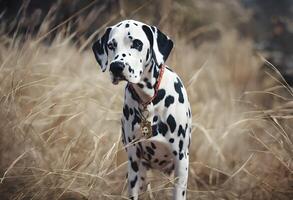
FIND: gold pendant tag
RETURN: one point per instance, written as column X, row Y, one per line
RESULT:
column 146, row 128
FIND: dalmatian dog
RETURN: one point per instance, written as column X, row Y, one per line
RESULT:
column 156, row 121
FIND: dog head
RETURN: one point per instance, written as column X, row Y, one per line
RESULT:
column 128, row 47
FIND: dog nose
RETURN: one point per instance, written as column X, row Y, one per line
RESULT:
column 116, row 68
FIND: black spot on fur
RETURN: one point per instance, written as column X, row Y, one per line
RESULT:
column 140, row 85
column 171, row 140
column 160, row 96
column 155, row 118
column 156, row 73
column 138, row 153
column 183, row 193
column 123, row 55
column 175, row 153
column 126, row 111
column 147, row 55
column 163, row 128
column 119, row 25
column 137, row 44
column 132, row 93
column 154, row 130
column 146, row 165
column 178, row 88
column 152, row 65
column 181, row 155
column 149, row 157
column 130, row 111
column 126, row 25
column 162, row 162
column 134, row 165
column 153, row 145
column 150, row 150
column 169, row 100
column 123, row 133
column 136, row 119
column 148, row 84
column 180, row 145
column 133, row 182
column 181, row 131
column 131, row 70
column 140, row 145
column 171, row 122
column 135, row 24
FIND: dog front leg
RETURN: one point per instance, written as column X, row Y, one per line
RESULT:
column 181, row 176
column 136, row 175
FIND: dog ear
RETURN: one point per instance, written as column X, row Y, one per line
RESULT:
column 160, row 43
column 101, row 51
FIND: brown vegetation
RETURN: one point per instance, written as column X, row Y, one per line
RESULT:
column 60, row 122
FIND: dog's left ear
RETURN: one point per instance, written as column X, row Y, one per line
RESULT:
column 101, row 51
column 160, row 43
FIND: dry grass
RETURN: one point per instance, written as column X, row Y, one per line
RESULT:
column 60, row 123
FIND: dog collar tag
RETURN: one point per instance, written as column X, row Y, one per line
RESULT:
column 146, row 128
column 145, row 125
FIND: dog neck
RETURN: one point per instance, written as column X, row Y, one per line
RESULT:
column 146, row 88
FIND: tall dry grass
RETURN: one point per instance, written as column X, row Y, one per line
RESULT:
column 60, row 123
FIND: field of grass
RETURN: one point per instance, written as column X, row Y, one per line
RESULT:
column 60, row 115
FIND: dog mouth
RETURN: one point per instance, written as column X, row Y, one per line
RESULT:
column 117, row 79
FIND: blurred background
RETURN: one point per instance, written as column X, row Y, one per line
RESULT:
column 60, row 116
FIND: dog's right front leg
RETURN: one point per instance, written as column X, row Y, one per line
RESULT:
column 136, row 174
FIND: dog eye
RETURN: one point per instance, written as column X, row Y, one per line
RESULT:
column 137, row 44
column 110, row 46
